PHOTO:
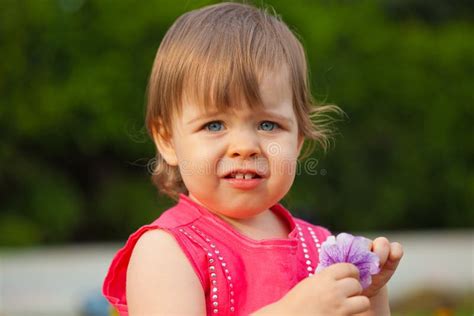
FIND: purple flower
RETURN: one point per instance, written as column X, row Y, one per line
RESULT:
column 355, row 250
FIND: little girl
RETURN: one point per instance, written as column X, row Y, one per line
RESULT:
column 229, row 108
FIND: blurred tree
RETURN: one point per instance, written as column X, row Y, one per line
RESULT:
column 73, row 148
column 433, row 12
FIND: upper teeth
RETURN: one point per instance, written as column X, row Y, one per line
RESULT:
column 243, row 176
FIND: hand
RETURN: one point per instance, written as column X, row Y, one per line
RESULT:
column 334, row 291
column 390, row 255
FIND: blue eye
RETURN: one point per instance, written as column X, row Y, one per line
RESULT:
column 268, row 125
column 212, row 124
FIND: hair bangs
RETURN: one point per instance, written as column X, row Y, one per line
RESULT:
column 223, row 72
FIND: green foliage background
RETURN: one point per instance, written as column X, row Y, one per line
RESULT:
column 73, row 148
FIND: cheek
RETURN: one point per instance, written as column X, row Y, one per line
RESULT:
column 284, row 166
column 283, row 156
column 194, row 162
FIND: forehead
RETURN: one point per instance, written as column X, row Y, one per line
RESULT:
column 275, row 94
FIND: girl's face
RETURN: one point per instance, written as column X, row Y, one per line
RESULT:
column 207, row 147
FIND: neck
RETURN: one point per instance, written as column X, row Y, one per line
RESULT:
column 263, row 225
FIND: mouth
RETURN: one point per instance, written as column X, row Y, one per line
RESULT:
column 243, row 175
column 247, row 180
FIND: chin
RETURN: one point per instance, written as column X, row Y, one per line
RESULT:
column 245, row 211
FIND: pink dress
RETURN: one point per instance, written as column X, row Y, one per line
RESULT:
column 239, row 275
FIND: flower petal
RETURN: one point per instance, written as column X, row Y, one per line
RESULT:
column 355, row 250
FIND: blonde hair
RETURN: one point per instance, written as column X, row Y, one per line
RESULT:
column 217, row 55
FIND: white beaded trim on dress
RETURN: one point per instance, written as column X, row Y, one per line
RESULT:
column 310, row 267
column 214, row 251
column 212, row 270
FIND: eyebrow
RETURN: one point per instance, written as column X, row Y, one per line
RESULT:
column 279, row 117
column 271, row 114
column 203, row 116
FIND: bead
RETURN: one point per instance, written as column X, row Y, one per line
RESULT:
column 304, row 245
column 215, row 304
column 310, row 269
column 214, row 275
column 302, row 239
column 308, row 262
column 305, row 250
column 306, row 256
column 232, row 301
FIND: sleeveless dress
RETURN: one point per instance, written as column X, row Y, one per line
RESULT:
column 238, row 274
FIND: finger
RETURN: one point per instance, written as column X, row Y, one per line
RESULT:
column 349, row 287
column 396, row 251
column 357, row 304
column 381, row 247
column 343, row 270
column 396, row 254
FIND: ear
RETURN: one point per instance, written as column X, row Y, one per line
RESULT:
column 165, row 147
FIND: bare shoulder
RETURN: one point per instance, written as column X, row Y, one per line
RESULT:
column 160, row 278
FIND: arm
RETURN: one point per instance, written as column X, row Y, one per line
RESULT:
column 160, row 278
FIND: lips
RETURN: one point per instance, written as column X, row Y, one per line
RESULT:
column 256, row 174
column 244, row 184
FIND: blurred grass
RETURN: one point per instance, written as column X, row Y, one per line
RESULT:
column 435, row 302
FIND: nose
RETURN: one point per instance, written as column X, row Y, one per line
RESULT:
column 244, row 144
